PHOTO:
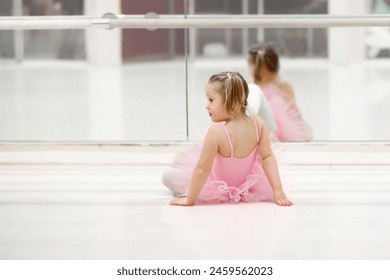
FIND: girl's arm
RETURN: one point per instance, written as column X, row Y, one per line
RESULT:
column 202, row 168
column 270, row 165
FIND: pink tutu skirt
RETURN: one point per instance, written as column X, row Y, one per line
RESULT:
column 256, row 186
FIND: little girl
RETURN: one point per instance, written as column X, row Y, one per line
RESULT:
column 236, row 162
column 263, row 62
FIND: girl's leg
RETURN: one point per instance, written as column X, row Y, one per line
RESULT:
column 168, row 179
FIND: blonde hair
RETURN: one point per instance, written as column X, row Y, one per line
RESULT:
column 234, row 89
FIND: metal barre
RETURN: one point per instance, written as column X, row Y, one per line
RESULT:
column 110, row 21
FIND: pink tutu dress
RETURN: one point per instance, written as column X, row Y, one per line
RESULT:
column 290, row 125
column 231, row 179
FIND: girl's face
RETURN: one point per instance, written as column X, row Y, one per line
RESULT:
column 215, row 104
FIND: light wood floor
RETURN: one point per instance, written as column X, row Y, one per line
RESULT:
column 107, row 202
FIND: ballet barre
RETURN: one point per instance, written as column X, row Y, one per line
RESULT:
column 154, row 21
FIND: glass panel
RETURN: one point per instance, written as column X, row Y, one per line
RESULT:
column 340, row 86
column 6, row 36
column 154, row 76
column 339, row 75
column 142, row 100
column 45, row 102
column 298, row 42
column 378, row 38
column 54, row 44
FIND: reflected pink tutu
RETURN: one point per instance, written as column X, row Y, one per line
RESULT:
column 290, row 125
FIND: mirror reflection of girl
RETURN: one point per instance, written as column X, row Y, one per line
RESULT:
column 263, row 63
column 235, row 162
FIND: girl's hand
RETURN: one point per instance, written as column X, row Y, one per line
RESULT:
column 281, row 199
column 180, row 201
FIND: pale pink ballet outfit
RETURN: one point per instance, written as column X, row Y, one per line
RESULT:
column 290, row 125
column 230, row 180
